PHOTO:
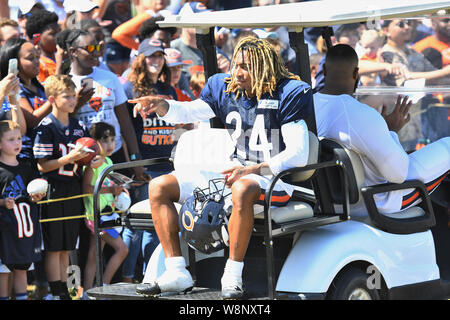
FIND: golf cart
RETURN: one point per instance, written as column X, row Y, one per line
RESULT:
column 313, row 248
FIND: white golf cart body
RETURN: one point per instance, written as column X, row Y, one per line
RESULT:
column 320, row 251
column 318, row 254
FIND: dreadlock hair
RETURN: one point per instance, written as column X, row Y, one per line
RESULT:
column 266, row 67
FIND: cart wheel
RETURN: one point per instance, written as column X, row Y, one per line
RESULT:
column 352, row 285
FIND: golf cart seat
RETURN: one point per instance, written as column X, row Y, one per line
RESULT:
column 293, row 211
column 411, row 220
column 220, row 146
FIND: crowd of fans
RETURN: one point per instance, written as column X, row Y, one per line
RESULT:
column 114, row 50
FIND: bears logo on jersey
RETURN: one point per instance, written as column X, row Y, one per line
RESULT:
column 38, row 102
column 96, row 103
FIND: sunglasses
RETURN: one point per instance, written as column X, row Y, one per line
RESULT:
column 92, row 47
column 402, row 24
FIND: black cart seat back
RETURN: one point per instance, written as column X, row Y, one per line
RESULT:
column 332, row 150
column 411, row 220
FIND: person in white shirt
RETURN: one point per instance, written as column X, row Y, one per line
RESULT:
column 373, row 136
column 108, row 102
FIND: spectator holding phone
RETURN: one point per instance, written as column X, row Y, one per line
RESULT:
column 108, row 102
column 33, row 100
column 9, row 88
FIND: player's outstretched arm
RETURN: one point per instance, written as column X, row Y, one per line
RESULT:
column 173, row 111
column 148, row 104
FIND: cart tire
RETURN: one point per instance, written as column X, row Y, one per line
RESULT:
column 352, row 285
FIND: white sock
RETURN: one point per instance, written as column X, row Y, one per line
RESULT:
column 175, row 263
column 233, row 270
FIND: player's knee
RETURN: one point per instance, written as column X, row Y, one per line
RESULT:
column 245, row 192
column 157, row 189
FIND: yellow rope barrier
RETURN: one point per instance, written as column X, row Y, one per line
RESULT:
column 76, row 217
column 66, row 198
column 63, row 218
column 70, row 217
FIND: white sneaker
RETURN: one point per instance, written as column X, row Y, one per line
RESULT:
column 176, row 280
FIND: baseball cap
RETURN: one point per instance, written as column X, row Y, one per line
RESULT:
column 193, row 7
column 263, row 34
column 79, row 5
column 150, row 46
column 173, row 57
column 25, row 6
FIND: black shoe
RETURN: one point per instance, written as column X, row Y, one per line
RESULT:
column 148, row 289
column 171, row 281
column 233, row 293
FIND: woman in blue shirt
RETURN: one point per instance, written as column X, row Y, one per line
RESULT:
column 33, row 101
column 155, row 139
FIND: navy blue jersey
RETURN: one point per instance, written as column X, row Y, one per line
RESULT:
column 51, row 142
column 155, row 136
column 20, row 234
column 255, row 125
column 36, row 100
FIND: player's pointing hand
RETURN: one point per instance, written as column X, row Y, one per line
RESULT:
column 148, row 104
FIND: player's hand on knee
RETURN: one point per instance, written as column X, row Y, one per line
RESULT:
column 235, row 173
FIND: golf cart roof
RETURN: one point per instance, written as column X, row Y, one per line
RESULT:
column 307, row 14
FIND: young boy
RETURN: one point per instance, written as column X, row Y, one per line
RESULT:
column 20, row 236
column 56, row 162
column 197, row 83
column 371, row 41
column 104, row 134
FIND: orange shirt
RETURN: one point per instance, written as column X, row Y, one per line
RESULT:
column 47, row 67
column 365, row 57
column 433, row 42
column 125, row 33
column 181, row 95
